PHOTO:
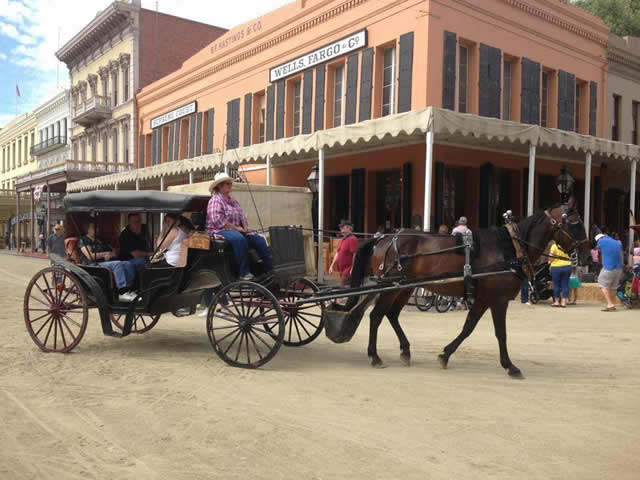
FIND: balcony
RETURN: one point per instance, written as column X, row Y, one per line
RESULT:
column 48, row 145
column 91, row 111
column 71, row 170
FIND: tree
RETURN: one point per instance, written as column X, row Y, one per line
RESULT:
column 621, row 16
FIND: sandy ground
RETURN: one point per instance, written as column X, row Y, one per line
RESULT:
column 162, row 405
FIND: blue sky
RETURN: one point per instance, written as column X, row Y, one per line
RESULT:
column 29, row 32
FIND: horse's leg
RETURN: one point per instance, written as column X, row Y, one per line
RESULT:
column 392, row 315
column 375, row 319
column 499, row 314
column 476, row 312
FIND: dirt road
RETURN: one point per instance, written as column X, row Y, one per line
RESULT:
column 163, row 406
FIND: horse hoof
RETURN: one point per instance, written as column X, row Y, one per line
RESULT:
column 406, row 359
column 377, row 363
column 443, row 360
column 514, row 372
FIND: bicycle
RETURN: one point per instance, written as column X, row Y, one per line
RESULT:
column 424, row 299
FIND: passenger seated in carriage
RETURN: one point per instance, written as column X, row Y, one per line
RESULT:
column 134, row 243
column 98, row 252
column 175, row 230
column 226, row 218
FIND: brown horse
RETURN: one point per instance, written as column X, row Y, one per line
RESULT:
column 493, row 251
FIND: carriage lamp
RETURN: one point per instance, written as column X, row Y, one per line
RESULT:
column 564, row 183
column 313, row 179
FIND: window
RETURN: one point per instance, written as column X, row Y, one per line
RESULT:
column 114, row 79
column 544, row 109
column 115, row 145
column 94, row 148
column 64, row 129
column 635, row 107
column 262, row 118
column 105, row 148
column 615, row 132
column 33, row 142
column 125, row 84
column 19, row 152
column 296, row 107
column 105, row 86
column 338, row 104
column 576, row 113
column 463, row 78
column 388, row 81
column 75, row 151
column 125, row 143
column 13, row 154
column 83, row 151
column 506, row 91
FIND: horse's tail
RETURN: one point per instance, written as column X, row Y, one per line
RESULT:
column 360, row 268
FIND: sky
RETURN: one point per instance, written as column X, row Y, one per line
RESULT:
column 29, row 32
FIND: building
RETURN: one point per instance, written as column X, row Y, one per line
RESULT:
column 623, row 117
column 124, row 48
column 16, row 140
column 508, row 90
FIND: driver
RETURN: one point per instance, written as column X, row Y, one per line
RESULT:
column 226, row 218
column 98, row 251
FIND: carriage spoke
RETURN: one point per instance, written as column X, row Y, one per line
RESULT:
column 40, row 317
column 246, row 340
column 68, row 329
column 290, row 322
column 64, row 340
column 72, row 321
column 48, row 305
column 47, row 296
column 69, row 291
column 269, row 335
column 44, row 325
column 297, row 317
column 250, row 335
column 55, row 333
column 234, row 341
column 223, row 328
column 46, row 339
column 141, row 318
column 308, row 321
column 49, row 289
column 235, row 306
column 239, row 346
column 227, row 335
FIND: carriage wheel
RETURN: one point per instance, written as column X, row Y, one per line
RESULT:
column 444, row 303
column 424, row 299
column 534, row 297
column 55, row 310
column 249, row 330
column 302, row 324
column 141, row 323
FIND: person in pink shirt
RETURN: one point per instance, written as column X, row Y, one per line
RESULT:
column 347, row 249
column 462, row 228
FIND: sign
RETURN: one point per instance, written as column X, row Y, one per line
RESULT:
column 180, row 112
column 328, row 52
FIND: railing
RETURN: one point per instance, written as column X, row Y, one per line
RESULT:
column 92, row 103
column 48, row 144
column 76, row 166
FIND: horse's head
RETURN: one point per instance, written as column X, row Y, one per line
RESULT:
column 569, row 232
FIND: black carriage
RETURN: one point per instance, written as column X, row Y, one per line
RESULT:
column 247, row 322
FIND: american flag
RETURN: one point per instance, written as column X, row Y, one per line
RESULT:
column 17, row 91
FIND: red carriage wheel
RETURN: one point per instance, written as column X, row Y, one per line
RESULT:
column 305, row 322
column 141, row 323
column 55, row 310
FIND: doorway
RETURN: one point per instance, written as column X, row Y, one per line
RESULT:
column 339, row 203
column 389, row 201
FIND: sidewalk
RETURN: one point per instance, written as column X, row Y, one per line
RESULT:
column 26, row 254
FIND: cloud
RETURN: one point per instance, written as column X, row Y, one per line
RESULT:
column 12, row 32
column 3, row 56
column 14, row 12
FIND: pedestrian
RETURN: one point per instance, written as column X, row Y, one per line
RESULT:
column 636, row 251
column 461, row 228
column 595, row 259
column 560, row 274
column 524, row 292
column 609, row 278
column 347, row 249
column 575, row 282
column 443, row 230
column 55, row 242
column 7, row 240
column 41, row 238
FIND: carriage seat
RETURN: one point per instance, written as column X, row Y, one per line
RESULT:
column 73, row 253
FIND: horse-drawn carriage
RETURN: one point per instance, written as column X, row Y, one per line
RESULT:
column 247, row 331
column 248, row 321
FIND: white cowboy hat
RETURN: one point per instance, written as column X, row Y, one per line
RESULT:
column 599, row 236
column 218, row 179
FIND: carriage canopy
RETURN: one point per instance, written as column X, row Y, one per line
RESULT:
column 134, row 201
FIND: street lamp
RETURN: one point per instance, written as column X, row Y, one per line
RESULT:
column 564, row 184
column 313, row 180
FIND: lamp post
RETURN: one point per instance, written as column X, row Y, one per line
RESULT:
column 313, row 180
column 564, row 184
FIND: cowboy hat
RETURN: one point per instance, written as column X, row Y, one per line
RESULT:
column 345, row 222
column 599, row 236
column 218, row 179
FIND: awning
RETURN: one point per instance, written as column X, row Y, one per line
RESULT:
column 399, row 129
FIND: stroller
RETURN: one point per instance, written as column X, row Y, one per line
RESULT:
column 540, row 289
column 629, row 285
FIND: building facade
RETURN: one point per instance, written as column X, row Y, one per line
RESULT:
column 318, row 65
column 124, row 48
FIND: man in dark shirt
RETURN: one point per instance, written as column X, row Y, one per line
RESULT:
column 134, row 246
column 55, row 242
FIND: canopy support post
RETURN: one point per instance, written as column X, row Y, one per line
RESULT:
column 268, row 169
column 320, row 215
column 587, row 193
column 32, row 226
column 190, row 178
column 15, row 232
column 632, row 205
column 115, row 186
column 532, row 179
column 428, row 169
column 162, row 190
column 48, row 224
column 137, row 184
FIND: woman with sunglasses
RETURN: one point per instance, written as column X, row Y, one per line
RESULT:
column 226, row 218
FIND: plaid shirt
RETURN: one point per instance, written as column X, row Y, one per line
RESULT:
column 222, row 210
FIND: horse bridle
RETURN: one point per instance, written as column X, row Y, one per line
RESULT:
column 561, row 227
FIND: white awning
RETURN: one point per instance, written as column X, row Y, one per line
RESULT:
column 402, row 128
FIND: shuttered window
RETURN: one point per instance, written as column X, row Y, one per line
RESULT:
column 578, row 104
column 463, row 78
column 615, row 121
column 489, row 81
column 634, row 122
column 319, row 98
column 351, row 94
column 247, row 119
column 233, row 123
column 449, row 71
column 506, row 90
column 566, row 100
column 210, row 124
column 141, row 152
column 405, row 72
column 280, row 91
column 199, row 134
column 307, row 101
column 262, row 118
column 192, row 136
column 544, row 109
column 366, row 85
column 593, row 107
column 338, row 92
column 388, row 81
column 297, row 107
column 271, row 100
column 530, row 92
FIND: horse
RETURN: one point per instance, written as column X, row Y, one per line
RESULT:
column 493, row 250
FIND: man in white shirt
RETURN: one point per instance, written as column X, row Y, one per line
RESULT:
column 462, row 228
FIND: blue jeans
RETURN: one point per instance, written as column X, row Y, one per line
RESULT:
column 524, row 291
column 560, row 276
column 240, row 245
column 138, row 263
column 124, row 272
